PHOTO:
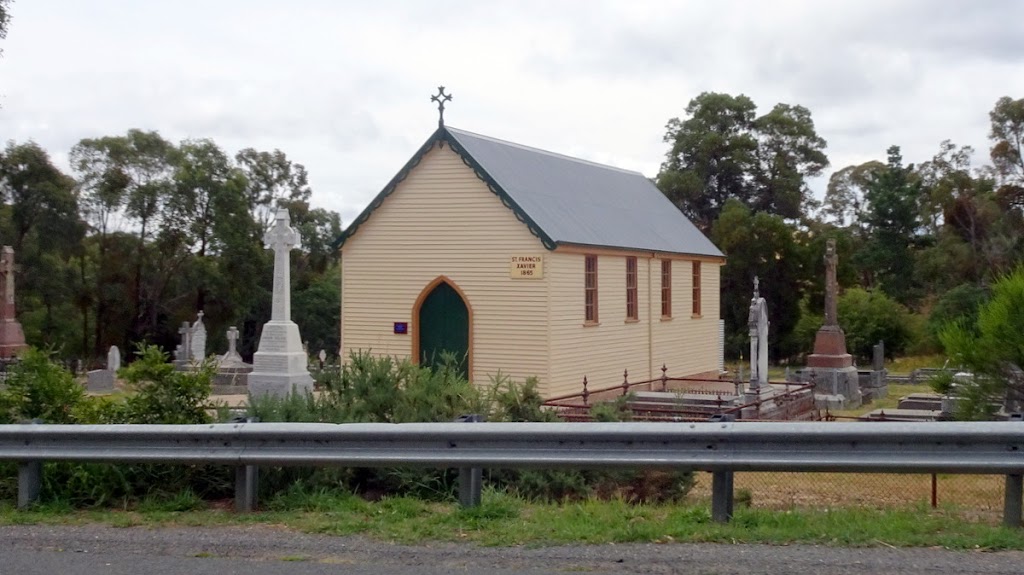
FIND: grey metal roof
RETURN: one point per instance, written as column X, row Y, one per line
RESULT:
column 579, row 202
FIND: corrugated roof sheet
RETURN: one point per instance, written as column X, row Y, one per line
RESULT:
column 579, row 202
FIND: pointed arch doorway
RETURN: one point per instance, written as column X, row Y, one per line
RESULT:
column 442, row 325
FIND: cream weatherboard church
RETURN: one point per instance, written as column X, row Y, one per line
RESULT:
column 529, row 263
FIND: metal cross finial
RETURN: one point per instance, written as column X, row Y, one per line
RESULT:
column 441, row 98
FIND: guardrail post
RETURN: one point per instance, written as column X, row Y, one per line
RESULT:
column 246, row 487
column 1013, row 503
column 470, row 478
column 722, row 484
column 721, row 496
column 30, row 479
column 246, row 480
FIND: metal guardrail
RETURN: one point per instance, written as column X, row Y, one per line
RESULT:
column 719, row 447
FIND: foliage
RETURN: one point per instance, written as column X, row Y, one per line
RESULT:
column 724, row 151
column 515, row 402
column 844, row 197
column 38, row 388
column 892, row 222
column 317, row 308
column 992, row 350
column 164, row 395
column 5, row 18
column 866, row 318
column 958, row 304
column 763, row 245
column 1007, row 137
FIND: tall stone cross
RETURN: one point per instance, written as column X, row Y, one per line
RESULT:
column 282, row 238
column 831, row 285
column 7, row 269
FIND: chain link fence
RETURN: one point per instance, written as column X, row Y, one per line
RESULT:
column 974, row 496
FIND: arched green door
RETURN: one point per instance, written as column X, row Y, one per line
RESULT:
column 444, row 327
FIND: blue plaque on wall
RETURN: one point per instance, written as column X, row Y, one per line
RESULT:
column 401, row 327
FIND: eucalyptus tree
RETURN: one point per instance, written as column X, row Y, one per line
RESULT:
column 271, row 178
column 724, row 151
column 1007, row 137
column 41, row 221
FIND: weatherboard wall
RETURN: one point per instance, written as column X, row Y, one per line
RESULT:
column 443, row 220
column 688, row 345
column 602, row 352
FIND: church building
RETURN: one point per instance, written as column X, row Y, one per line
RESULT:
column 527, row 263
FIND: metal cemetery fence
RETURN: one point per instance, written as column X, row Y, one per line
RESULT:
column 689, row 399
column 723, row 448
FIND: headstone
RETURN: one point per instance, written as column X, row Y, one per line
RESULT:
column 279, row 364
column 197, row 335
column 232, row 356
column 12, row 337
column 757, row 321
column 829, row 361
column 878, row 357
column 322, row 356
column 114, row 359
column 232, row 373
column 183, row 351
column 100, row 380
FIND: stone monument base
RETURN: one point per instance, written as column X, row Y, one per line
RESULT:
column 12, row 338
column 279, row 385
column 759, row 400
column 231, row 380
column 874, row 384
column 834, row 388
column 830, row 349
column 279, row 366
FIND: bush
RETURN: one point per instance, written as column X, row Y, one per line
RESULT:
column 163, row 395
column 992, row 348
column 866, row 318
column 958, row 304
column 38, row 388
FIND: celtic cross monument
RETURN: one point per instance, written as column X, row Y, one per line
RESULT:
column 279, row 364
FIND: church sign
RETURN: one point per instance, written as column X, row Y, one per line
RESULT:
column 526, row 267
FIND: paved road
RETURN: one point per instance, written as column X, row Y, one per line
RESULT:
column 80, row 550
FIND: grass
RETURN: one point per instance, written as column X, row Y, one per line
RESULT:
column 896, row 391
column 910, row 363
column 504, row 520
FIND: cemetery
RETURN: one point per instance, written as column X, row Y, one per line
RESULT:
column 534, row 287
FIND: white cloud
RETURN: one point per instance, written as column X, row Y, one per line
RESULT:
column 343, row 87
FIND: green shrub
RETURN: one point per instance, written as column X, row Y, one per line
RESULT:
column 992, row 349
column 38, row 388
column 866, row 317
column 163, row 395
column 510, row 401
column 958, row 304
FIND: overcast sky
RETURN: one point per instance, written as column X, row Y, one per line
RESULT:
column 343, row 87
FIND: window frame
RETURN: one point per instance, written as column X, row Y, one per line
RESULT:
column 632, row 290
column 666, row 289
column 590, row 293
column 696, row 288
